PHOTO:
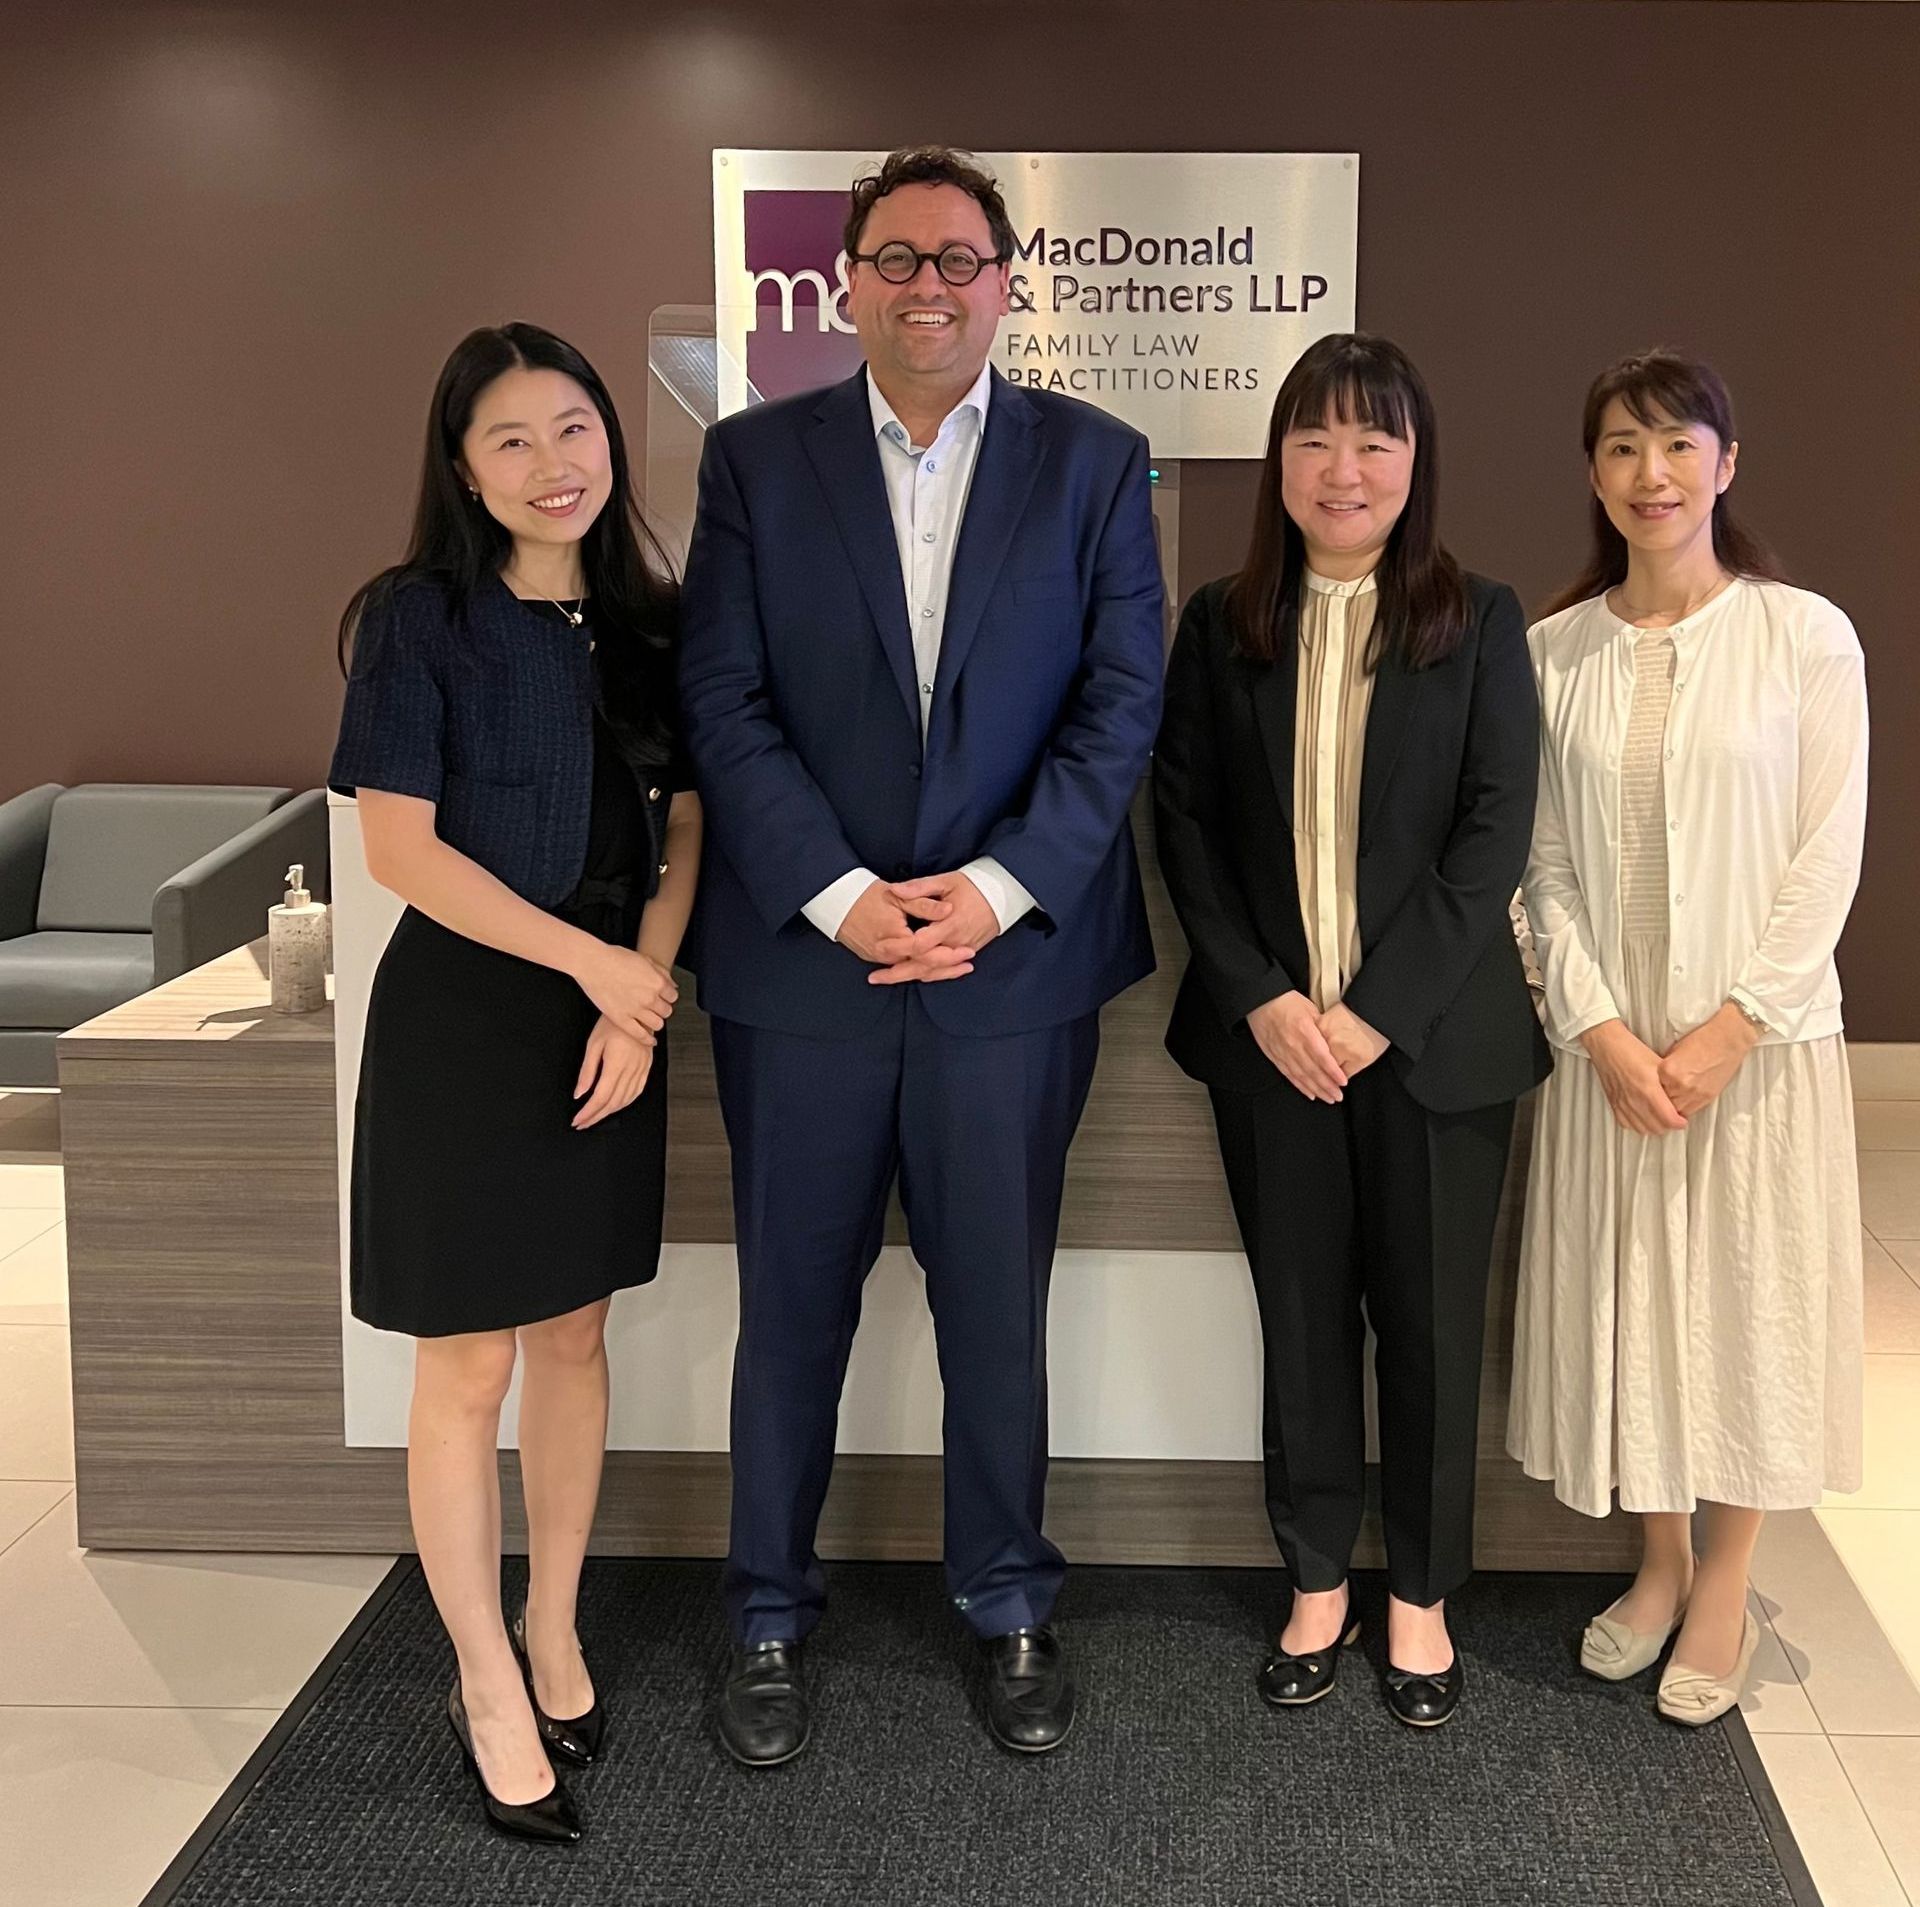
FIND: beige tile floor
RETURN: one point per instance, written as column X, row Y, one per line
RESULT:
column 133, row 1687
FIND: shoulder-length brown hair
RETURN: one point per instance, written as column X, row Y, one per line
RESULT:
column 1656, row 385
column 1423, row 608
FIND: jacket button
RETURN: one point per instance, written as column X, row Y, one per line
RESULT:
column 913, row 768
column 653, row 794
column 901, row 870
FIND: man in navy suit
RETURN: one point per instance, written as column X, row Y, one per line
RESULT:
column 921, row 678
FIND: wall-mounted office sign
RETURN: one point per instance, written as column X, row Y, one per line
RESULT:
column 1172, row 288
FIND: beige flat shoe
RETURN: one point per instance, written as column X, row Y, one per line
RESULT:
column 1612, row 1651
column 1688, row 1696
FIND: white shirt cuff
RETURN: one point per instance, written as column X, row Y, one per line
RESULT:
column 831, row 905
column 1008, row 899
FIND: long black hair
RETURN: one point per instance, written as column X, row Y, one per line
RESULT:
column 1656, row 386
column 458, row 545
column 1423, row 608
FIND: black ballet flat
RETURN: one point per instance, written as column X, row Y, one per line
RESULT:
column 1292, row 1681
column 552, row 1819
column 1425, row 1701
column 578, row 1740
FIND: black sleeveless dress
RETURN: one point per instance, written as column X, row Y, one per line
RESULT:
column 475, row 1206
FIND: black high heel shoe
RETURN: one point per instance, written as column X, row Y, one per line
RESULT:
column 1292, row 1681
column 578, row 1740
column 552, row 1819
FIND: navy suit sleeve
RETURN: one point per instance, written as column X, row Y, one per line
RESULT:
column 1410, row 976
column 780, row 833
column 392, row 722
column 1102, row 745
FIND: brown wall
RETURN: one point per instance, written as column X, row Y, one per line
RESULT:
column 239, row 240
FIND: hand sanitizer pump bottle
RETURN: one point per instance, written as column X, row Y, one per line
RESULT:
column 297, row 948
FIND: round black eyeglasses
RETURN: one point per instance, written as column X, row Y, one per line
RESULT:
column 957, row 264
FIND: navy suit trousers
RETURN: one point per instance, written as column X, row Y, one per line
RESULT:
column 977, row 1130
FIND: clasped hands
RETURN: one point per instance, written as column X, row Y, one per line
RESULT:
column 929, row 929
column 1318, row 1052
column 1655, row 1093
column 636, row 995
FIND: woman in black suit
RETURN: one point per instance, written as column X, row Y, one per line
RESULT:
column 1355, row 1001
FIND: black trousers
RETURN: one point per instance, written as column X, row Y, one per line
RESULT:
column 1373, row 1211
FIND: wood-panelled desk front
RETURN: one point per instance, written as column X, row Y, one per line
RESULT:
column 203, row 1249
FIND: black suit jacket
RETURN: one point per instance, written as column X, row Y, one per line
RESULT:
column 1446, row 812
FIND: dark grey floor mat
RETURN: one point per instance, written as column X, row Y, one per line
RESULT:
column 1178, row 1786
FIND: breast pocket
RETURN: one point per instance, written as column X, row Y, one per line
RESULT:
column 499, row 750
column 494, row 823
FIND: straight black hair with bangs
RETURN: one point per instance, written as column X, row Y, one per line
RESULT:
column 459, row 545
column 1423, row 609
column 1661, row 386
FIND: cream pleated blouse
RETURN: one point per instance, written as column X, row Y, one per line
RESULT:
column 1334, row 696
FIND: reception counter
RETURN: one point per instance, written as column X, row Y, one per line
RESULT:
column 216, row 1404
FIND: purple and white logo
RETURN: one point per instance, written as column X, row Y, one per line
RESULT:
column 800, row 336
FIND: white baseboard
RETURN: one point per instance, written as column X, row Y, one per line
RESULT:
column 1150, row 1354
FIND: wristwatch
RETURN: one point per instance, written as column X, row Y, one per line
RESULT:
column 1747, row 1013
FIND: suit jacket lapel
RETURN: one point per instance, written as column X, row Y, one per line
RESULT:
column 841, row 445
column 1011, row 453
column 1395, row 692
column 1276, row 690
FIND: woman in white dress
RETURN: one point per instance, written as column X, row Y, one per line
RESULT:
column 1688, row 1330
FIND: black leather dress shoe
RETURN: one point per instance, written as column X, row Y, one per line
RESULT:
column 553, row 1818
column 577, row 1740
column 1292, row 1681
column 1029, row 1691
column 762, row 1714
column 1425, row 1701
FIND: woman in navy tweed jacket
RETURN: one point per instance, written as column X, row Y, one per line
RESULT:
column 511, row 734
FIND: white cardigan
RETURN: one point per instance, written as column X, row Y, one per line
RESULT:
column 1766, row 797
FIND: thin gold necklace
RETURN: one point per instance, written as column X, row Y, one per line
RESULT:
column 1699, row 602
column 575, row 616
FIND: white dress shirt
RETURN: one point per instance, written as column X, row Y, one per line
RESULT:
column 927, row 490
column 1765, row 781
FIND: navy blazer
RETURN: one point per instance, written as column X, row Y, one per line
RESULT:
column 802, row 716
column 488, row 715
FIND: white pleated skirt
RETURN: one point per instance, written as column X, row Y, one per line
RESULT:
column 1688, row 1321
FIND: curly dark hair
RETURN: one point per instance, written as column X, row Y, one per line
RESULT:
column 931, row 165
